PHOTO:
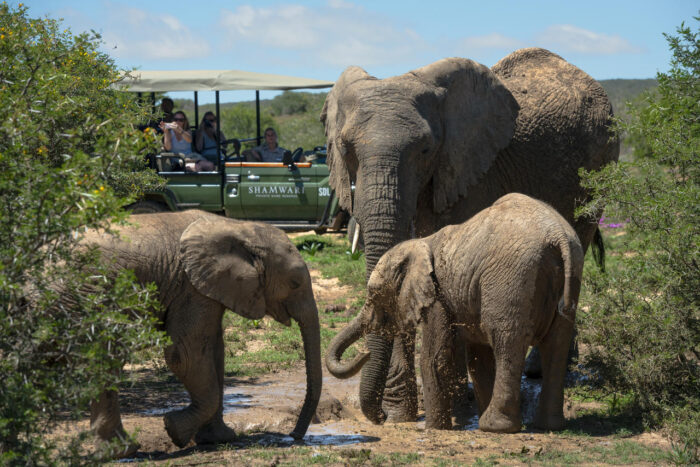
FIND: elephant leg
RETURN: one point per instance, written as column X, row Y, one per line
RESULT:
column 401, row 393
column 503, row 412
column 195, row 331
column 437, row 368
column 482, row 369
column 461, row 395
column 215, row 431
column 533, row 363
column 106, row 423
column 555, row 348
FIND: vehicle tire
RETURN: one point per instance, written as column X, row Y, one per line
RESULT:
column 352, row 226
column 147, row 207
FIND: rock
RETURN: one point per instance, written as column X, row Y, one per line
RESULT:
column 334, row 308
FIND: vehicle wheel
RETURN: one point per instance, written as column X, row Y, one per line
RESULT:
column 147, row 207
column 352, row 227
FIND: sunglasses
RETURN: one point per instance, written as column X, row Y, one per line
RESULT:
column 179, row 119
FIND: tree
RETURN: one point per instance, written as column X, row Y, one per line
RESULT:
column 643, row 323
column 71, row 157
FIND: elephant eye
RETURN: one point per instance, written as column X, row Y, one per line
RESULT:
column 294, row 285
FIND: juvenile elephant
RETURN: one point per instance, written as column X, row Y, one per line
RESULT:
column 436, row 145
column 494, row 282
column 202, row 264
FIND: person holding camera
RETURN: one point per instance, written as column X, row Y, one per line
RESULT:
column 176, row 135
column 205, row 143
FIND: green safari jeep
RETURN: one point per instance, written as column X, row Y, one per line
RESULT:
column 292, row 195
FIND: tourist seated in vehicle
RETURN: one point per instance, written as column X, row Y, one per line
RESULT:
column 205, row 143
column 177, row 137
column 269, row 151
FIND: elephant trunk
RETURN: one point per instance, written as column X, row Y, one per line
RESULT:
column 344, row 339
column 385, row 215
column 382, row 208
column 374, row 375
column 310, row 334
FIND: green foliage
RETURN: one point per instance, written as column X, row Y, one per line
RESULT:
column 643, row 326
column 239, row 121
column 70, row 153
column 291, row 103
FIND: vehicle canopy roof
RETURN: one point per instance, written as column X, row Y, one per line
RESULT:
column 213, row 80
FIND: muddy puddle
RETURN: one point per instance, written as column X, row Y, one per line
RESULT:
column 271, row 406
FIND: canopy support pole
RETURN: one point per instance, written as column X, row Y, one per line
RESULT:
column 196, row 110
column 217, row 134
column 257, row 116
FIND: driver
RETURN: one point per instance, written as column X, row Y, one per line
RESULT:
column 269, row 151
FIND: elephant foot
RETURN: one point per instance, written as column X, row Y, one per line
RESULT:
column 549, row 422
column 179, row 426
column 399, row 413
column 117, row 448
column 533, row 364
column 496, row 422
column 215, row 433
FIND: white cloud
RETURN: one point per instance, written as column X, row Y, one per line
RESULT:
column 566, row 38
column 338, row 34
column 139, row 34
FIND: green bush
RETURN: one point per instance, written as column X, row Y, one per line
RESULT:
column 643, row 322
column 71, row 158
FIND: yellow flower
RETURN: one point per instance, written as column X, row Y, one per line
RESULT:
column 2, row 36
column 102, row 188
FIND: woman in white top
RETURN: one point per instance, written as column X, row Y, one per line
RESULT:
column 176, row 136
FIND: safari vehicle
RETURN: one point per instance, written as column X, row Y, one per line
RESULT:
column 293, row 195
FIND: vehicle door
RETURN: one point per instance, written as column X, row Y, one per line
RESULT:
column 201, row 190
column 274, row 191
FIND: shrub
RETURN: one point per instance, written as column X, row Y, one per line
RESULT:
column 643, row 325
column 71, row 156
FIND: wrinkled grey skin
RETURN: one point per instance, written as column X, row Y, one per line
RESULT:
column 436, row 145
column 203, row 263
column 494, row 283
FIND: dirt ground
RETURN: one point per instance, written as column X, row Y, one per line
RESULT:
column 263, row 410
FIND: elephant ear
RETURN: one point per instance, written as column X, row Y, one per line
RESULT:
column 222, row 264
column 333, row 120
column 416, row 292
column 479, row 115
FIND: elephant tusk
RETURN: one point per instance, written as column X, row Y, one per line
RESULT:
column 355, row 238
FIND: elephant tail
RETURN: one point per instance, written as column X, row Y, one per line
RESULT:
column 598, row 249
column 572, row 255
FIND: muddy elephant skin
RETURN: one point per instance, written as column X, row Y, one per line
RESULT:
column 508, row 278
column 436, row 145
column 202, row 264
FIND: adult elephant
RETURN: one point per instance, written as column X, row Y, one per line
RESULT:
column 436, row 145
column 202, row 264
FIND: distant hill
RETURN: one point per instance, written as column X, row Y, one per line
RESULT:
column 621, row 91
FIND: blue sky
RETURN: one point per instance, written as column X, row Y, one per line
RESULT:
column 319, row 38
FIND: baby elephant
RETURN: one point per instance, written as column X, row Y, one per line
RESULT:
column 504, row 280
